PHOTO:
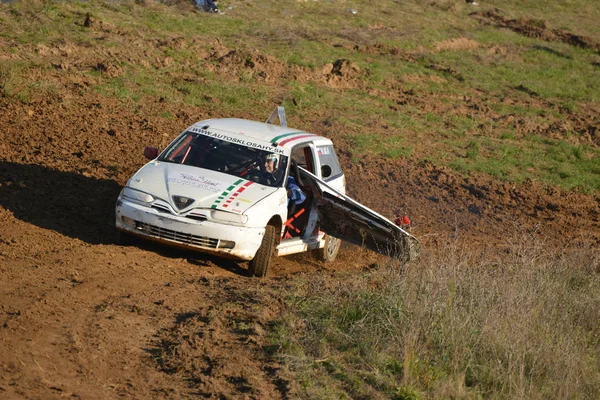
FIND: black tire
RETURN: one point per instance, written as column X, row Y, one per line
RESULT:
column 259, row 266
column 330, row 251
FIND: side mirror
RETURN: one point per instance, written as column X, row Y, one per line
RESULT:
column 150, row 152
column 325, row 171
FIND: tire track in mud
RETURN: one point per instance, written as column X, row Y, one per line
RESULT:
column 85, row 320
column 535, row 28
column 218, row 349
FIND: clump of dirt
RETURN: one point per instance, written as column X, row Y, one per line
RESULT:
column 341, row 73
column 234, row 62
column 495, row 49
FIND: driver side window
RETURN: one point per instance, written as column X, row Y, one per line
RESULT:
column 303, row 158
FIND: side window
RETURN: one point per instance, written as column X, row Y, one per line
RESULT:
column 302, row 156
column 328, row 160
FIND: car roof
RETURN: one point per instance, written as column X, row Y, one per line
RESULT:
column 281, row 136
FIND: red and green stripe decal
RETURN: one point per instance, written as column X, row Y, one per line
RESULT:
column 288, row 137
column 227, row 196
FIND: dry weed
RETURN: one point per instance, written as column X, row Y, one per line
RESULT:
column 461, row 324
column 457, row 44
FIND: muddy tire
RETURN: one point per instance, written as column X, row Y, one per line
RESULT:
column 259, row 266
column 330, row 251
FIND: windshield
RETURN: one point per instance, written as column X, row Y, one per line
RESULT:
column 210, row 153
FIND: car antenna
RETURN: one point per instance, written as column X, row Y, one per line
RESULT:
column 279, row 112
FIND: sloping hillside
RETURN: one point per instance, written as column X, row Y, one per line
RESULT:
column 481, row 123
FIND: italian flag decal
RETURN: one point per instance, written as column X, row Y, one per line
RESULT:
column 288, row 137
column 229, row 195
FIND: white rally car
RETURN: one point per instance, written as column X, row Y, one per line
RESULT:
column 209, row 191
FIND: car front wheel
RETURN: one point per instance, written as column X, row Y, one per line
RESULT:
column 125, row 239
column 259, row 266
column 330, row 251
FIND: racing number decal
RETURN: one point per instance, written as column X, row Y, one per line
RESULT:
column 226, row 193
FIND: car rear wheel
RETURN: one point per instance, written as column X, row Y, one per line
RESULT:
column 259, row 266
column 330, row 251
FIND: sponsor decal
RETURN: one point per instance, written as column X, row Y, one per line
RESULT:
column 229, row 195
column 323, row 150
column 239, row 141
column 200, row 182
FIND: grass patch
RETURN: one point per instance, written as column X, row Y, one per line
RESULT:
column 16, row 82
column 559, row 163
column 10, row 79
column 441, row 77
column 391, row 147
column 451, row 327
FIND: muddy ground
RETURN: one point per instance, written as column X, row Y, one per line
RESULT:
column 82, row 317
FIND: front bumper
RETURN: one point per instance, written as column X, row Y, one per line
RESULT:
column 176, row 230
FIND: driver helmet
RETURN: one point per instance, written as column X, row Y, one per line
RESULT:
column 273, row 157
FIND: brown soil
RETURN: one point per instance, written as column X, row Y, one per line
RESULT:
column 81, row 317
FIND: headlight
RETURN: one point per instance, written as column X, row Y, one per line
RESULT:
column 228, row 217
column 136, row 195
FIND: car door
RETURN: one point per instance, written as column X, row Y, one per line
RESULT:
column 342, row 217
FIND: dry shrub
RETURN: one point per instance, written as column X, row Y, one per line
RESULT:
column 411, row 78
column 11, row 80
column 495, row 49
column 457, row 44
column 462, row 324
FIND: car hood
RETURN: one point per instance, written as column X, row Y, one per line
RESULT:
column 184, row 187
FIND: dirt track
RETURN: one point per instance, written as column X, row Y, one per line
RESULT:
column 82, row 317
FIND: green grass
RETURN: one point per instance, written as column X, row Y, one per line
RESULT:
column 392, row 147
column 15, row 82
column 555, row 161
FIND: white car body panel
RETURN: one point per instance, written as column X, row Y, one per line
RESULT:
column 213, row 191
column 199, row 235
column 210, row 189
